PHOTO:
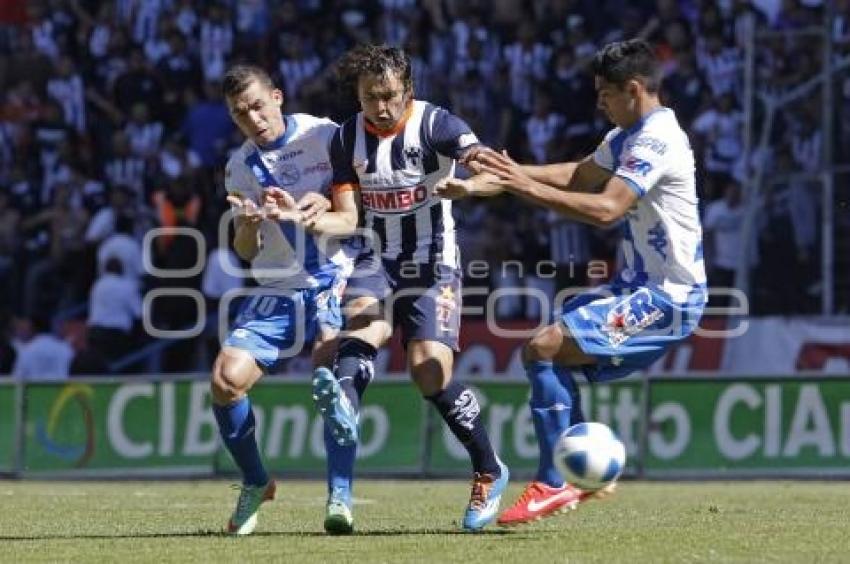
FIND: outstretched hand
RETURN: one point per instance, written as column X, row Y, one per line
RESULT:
column 312, row 207
column 507, row 171
column 453, row 188
column 470, row 159
column 246, row 209
column 279, row 205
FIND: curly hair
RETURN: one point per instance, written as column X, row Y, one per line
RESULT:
column 374, row 60
column 622, row 61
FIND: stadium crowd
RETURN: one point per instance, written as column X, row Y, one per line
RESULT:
column 112, row 123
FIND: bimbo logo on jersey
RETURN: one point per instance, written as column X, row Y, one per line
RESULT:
column 396, row 200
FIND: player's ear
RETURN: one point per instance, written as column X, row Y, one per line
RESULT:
column 277, row 96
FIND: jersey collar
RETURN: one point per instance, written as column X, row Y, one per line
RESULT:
column 395, row 130
column 288, row 132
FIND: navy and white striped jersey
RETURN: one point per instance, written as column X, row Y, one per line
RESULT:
column 395, row 173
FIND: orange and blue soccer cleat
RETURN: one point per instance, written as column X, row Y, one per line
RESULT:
column 244, row 518
column 484, row 500
column 540, row 500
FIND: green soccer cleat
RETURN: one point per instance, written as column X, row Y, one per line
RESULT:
column 244, row 518
column 338, row 517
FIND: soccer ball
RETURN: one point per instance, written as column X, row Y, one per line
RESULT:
column 590, row 455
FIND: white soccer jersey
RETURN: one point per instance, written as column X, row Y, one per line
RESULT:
column 396, row 174
column 662, row 242
column 299, row 163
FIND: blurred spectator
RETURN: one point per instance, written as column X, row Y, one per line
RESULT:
column 123, row 246
column 543, row 128
column 54, row 281
column 66, row 87
column 144, row 133
column 208, row 127
column 723, row 222
column 114, row 306
column 45, row 356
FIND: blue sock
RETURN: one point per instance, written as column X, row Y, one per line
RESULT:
column 565, row 376
column 236, row 424
column 340, row 463
column 551, row 406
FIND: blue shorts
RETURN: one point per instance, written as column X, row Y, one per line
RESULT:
column 274, row 325
column 627, row 329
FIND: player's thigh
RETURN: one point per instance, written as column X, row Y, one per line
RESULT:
column 554, row 343
column 365, row 320
column 430, row 364
column 234, row 373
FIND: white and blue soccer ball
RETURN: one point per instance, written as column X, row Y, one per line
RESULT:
column 590, row 455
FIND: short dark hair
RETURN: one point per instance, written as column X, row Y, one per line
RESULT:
column 622, row 61
column 374, row 60
column 238, row 77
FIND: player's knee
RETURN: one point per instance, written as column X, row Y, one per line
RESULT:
column 231, row 378
column 544, row 345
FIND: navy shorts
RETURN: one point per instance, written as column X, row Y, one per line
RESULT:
column 423, row 298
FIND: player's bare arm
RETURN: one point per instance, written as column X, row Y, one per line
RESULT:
column 341, row 220
column 601, row 209
column 246, row 238
column 311, row 211
column 480, row 185
column 578, row 176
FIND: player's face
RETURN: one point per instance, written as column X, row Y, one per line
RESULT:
column 257, row 112
column 383, row 99
column 616, row 102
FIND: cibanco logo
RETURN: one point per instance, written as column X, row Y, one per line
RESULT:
column 77, row 397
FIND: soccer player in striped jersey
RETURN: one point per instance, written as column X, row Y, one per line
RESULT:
column 301, row 275
column 643, row 175
column 392, row 154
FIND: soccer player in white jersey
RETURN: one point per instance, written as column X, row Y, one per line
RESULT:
column 643, row 175
column 392, row 154
column 283, row 159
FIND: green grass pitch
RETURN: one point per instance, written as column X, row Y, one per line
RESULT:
column 417, row 521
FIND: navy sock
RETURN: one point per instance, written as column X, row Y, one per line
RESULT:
column 236, row 424
column 461, row 412
column 551, row 408
column 355, row 367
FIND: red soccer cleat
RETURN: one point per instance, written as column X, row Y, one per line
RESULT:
column 539, row 501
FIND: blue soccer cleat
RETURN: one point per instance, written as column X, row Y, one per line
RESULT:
column 244, row 518
column 483, row 505
column 338, row 516
column 335, row 407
